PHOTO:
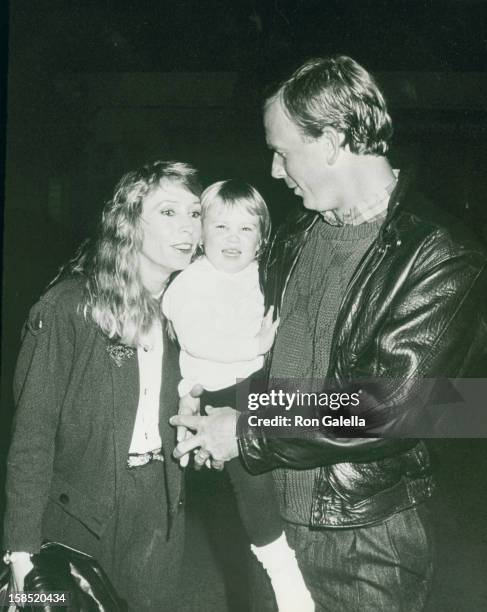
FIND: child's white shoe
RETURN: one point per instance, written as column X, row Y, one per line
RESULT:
column 279, row 561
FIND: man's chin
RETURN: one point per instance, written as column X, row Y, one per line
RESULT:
column 308, row 204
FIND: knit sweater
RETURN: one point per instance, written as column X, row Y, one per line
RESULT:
column 308, row 316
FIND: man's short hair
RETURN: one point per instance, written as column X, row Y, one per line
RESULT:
column 338, row 92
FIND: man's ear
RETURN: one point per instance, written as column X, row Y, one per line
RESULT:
column 332, row 142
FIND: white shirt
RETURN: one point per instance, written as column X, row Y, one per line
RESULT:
column 216, row 316
column 146, row 437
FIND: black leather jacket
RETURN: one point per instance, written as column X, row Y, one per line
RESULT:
column 414, row 309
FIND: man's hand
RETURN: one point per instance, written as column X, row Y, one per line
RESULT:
column 214, row 434
column 203, row 457
column 188, row 405
column 267, row 332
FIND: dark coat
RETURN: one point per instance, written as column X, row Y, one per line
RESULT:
column 75, row 416
column 414, row 311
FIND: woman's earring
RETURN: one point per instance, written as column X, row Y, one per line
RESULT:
column 259, row 251
column 200, row 250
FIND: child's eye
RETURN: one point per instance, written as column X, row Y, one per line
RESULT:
column 247, row 228
column 220, row 226
column 196, row 214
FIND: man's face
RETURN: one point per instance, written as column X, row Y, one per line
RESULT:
column 299, row 161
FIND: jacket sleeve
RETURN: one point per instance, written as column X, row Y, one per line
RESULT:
column 434, row 327
column 40, row 383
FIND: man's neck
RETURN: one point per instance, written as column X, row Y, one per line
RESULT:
column 366, row 185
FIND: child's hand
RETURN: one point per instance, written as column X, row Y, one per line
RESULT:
column 267, row 332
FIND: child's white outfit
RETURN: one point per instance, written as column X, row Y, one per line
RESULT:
column 216, row 316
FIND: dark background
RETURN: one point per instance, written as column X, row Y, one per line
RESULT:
column 96, row 88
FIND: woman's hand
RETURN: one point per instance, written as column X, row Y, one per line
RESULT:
column 20, row 566
column 267, row 332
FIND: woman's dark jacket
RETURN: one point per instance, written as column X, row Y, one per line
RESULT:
column 414, row 311
column 76, row 399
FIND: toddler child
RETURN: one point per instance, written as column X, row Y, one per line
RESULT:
column 216, row 308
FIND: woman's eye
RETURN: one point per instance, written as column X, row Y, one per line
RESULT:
column 247, row 228
column 167, row 212
column 196, row 214
column 220, row 226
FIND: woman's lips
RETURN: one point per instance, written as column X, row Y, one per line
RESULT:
column 183, row 247
column 231, row 252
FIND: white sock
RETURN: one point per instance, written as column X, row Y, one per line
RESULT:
column 279, row 561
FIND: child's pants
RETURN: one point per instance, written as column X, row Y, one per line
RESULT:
column 255, row 495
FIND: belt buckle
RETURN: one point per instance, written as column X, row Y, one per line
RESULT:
column 140, row 459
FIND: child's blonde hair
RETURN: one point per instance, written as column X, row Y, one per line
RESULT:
column 233, row 193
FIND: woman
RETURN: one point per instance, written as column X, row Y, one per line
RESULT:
column 96, row 381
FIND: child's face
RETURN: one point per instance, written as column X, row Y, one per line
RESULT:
column 231, row 237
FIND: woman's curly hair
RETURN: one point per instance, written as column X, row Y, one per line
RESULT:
column 115, row 297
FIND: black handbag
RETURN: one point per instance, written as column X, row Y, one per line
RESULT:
column 61, row 569
column 4, row 584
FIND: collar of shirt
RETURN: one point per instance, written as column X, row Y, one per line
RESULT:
column 369, row 210
column 145, row 435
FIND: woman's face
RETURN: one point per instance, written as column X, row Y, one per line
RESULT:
column 171, row 231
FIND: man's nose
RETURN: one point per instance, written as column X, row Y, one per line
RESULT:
column 277, row 170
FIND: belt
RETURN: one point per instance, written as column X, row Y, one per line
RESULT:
column 140, row 459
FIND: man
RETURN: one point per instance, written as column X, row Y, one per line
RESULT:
column 377, row 294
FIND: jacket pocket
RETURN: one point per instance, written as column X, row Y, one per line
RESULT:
column 357, row 482
column 93, row 514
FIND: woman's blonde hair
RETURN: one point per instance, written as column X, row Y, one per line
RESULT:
column 234, row 193
column 115, row 298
